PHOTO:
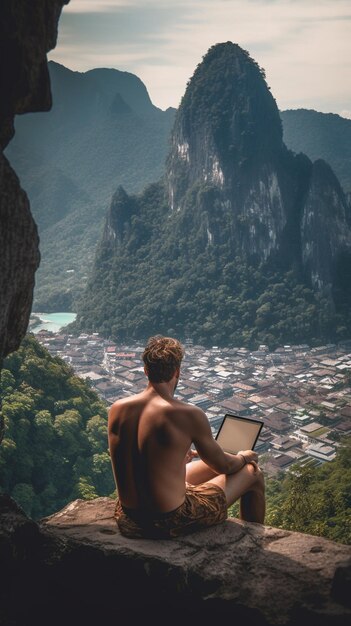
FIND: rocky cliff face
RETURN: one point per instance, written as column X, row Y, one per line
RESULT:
column 118, row 224
column 19, row 259
column 75, row 567
column 325, row 225
column 27, row 31
column 228, row 135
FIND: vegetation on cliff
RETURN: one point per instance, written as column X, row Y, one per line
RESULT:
column 315, row 501
column 312, row 500
column 148, row 282
column 55, row 444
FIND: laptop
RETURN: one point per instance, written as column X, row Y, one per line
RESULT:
column 238, row 433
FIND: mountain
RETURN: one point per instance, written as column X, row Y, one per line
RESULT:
column 102, row 131
column 241, row 241
column 321, row 136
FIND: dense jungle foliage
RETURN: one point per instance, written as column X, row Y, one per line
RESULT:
column 154, row 280
column 55, row 444
column 313, row 500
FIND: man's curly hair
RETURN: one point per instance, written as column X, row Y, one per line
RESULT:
column 162, row 357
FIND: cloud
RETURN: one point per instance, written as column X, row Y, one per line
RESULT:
column 304, row 45
column 92, row 6
column 111, row 6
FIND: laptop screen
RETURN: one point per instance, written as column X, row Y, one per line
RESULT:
column 238, row 433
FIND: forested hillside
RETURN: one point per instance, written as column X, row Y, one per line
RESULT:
column 102, row 131
column 235, row 304
column 55, row 444
column 313, row 500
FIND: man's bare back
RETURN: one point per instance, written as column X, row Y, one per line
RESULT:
column 150, row 437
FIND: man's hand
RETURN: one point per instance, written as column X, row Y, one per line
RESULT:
column 250, row 457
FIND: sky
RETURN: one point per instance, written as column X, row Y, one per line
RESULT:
column 303, row 45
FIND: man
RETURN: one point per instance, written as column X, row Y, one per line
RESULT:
column 160, row 493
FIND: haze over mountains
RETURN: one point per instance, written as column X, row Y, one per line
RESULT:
column 321, row 136
column 102, row 132
column 242, row 241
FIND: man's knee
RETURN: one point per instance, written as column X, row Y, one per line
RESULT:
column 256, row 474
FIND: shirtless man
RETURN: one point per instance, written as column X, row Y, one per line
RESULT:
column 160, row 492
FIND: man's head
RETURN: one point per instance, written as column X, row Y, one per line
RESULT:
column 162, row 358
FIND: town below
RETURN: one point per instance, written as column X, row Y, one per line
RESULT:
column 302, row 394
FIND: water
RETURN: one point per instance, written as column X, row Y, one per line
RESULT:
column 53, row 321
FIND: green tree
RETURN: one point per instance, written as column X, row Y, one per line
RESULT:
column 316, row 501
column 55, row 441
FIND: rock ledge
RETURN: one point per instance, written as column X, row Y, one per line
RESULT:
column 78, row 562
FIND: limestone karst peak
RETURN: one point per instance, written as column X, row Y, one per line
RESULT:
column 227, row 120
column 238, row 223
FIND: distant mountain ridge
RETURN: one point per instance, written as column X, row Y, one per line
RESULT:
column 321, row 136
column 241, row 241
column 103, row 130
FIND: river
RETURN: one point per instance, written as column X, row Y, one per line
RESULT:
column 52, row 321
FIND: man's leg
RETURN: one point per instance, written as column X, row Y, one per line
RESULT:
column 248, row 485
column 198, row 472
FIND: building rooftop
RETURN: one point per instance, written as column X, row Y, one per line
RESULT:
column 310, row 428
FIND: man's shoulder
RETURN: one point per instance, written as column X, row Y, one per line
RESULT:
column 190, row 409
column 122, row 402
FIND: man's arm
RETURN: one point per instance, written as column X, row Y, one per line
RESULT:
column 211, row 452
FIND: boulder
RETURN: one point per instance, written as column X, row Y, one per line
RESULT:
column 28, row 30
column 78, row 562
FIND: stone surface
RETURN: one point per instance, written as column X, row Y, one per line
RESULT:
column 19, row 243
column 273, row 576
column 27, row 31
column 76, row 568
column 272, row 573
column 325, row 202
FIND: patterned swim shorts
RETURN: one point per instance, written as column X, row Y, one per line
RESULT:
column 204, row 505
